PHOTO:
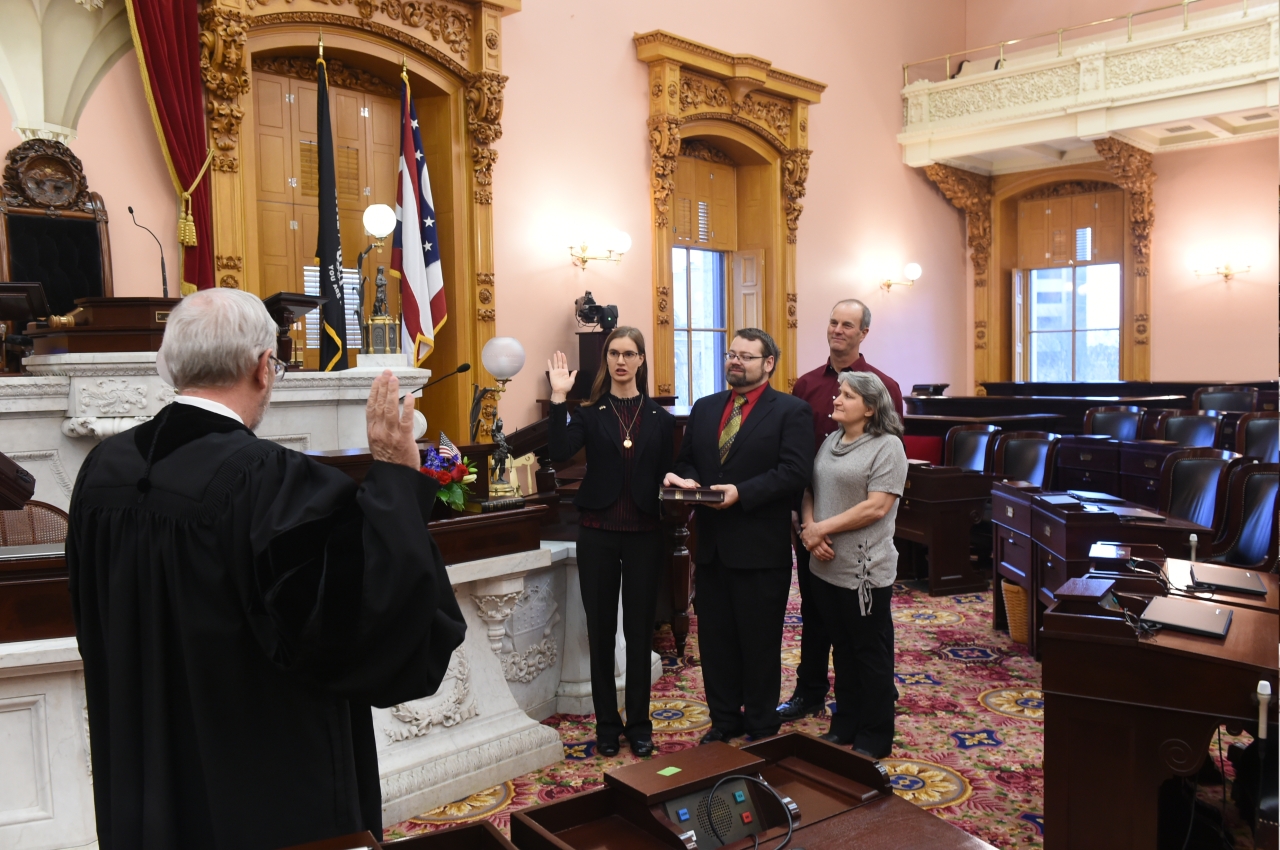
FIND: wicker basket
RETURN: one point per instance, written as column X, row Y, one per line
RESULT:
column 1017, row 611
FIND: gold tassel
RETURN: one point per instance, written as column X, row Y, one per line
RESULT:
column 186, row 223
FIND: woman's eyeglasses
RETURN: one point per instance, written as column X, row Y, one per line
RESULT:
column 628, row 356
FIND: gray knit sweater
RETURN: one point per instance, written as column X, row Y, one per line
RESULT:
column 843, row 475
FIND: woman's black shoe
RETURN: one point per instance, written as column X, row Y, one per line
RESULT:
column 607, row 748
column 642, row 747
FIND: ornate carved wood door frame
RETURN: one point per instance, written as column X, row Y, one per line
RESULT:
column 702, row 92
column 990, row 208
column 453, row 46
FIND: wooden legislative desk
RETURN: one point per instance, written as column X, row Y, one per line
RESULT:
column 1124, row 714
column 1069, row 409
column 838, row 799
column 1038, row 545
column 1129, row 469
column 939, row 506
column 1177, row 572
column 35, row 599
column 481, row 835
column 937, row 425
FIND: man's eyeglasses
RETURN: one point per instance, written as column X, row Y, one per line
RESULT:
column 277, row 365
column 742, row 358
column 628, row 356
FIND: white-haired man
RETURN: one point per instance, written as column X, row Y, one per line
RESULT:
column 239, row 607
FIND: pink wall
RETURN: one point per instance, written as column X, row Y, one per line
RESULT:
column 574, row 145
column 1211, row 202
column 117, row 145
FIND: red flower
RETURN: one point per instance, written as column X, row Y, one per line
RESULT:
column 443, row 477
column 457, row 472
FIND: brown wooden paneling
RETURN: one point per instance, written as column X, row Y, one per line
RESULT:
column 275, row 160
column 1060, row 239
column 1032, row 252
column 277, row 254
column 1108, row 239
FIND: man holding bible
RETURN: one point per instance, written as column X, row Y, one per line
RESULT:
column 755, row 445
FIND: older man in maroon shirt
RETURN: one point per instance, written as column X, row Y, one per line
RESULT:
column 850, row 321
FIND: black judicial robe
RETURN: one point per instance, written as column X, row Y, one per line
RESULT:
column 239, row 607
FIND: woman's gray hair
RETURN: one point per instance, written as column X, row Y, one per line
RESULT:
column 215, row 336
column 876, row 396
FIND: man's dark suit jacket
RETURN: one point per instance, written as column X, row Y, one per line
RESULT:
column 771, row 460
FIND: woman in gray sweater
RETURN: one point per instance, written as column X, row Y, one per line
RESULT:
column 848, row 522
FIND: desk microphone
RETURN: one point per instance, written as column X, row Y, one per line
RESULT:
column 164, row 277
column 1193, row 540
column 465, row 367
column 1264, row 697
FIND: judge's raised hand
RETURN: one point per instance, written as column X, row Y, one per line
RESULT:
column 389, row 425
column 561, row 377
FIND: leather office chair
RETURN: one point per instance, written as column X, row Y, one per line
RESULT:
column 1153, row 419
column 1193, row 484
column 1225, row 398
column 1024, row 456
column 1193, row 428
column 1249, row 535
column 966, row 446
column 1118, row 423
column 1258, row 436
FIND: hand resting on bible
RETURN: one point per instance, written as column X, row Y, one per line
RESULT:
column 390, row 427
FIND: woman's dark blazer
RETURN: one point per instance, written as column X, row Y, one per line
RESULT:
column 596, row 427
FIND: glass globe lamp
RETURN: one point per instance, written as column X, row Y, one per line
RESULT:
column 503, row 356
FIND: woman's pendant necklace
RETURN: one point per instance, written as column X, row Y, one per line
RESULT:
column 626, row 441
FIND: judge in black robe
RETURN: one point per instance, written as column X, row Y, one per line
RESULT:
column 239, row 607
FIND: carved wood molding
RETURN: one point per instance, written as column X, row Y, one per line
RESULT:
column 1134, row 172
column 698, row 149
column 348, row 22
column 223, row 34
column 971, row 193
column 664, row 148
column 1071, row 187
column 795, row 171
column 484, row 122
column 337, row 73
column 45, row 174
column 445, row 23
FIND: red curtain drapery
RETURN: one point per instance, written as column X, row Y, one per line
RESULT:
column 166, row 36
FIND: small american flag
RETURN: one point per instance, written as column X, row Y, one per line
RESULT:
column 446, row 448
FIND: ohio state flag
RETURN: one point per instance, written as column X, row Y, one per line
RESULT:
column 415, row 251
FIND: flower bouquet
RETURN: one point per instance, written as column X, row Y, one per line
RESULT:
column 454, row 472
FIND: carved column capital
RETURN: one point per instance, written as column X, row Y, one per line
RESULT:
column 1134, row 171
column 970, row 193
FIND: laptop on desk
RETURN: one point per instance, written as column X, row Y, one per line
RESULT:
column 1227, row 578
column 1189, row 615
column 1126, row 512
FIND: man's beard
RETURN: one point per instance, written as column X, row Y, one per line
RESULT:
column 736, row 379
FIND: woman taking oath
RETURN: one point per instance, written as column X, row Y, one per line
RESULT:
column 848, row 523
column 628, row 438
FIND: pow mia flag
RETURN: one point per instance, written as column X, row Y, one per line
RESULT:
column 333, row 313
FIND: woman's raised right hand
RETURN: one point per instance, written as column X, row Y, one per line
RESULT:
column 561, row 377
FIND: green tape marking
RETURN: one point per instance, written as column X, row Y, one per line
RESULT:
column 669, row 771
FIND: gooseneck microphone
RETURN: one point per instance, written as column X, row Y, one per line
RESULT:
column 164, row 276
column 464, row 367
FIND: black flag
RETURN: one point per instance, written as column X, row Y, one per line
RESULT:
column 333, row 314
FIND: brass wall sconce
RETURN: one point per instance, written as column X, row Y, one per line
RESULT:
column 911, row 272
column 608, row 245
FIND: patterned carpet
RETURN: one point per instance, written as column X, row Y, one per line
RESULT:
column 969, row 743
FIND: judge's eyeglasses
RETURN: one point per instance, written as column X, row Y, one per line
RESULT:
column 277, row 365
